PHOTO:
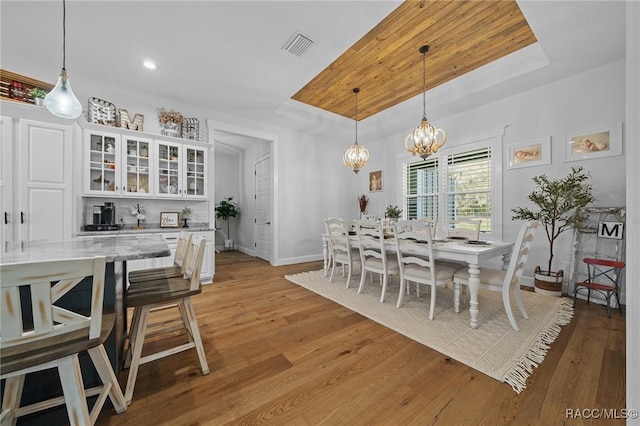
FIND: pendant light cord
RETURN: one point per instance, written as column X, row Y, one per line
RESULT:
column 64, row 34
column 356, row 90
column 424, row 85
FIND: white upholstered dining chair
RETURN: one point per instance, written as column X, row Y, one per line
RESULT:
column 509, row 280
column 373, row 253
column 340, row 247
column 50, row 332
column 415, row 256
column 464, row 227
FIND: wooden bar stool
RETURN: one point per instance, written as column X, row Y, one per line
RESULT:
column 177, row 270
column 49, row 334
column 144, row 296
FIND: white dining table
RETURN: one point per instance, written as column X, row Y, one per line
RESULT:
column 458, row 250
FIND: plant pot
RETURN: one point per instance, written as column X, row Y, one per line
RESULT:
column 228, row 244
column 39, row 101
column 548, row 283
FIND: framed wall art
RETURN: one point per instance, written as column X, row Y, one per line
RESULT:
column 532, row 153
column 169, row 219
column 375, row 181
column 595, row 143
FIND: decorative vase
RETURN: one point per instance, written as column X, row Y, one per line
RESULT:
column 39, row 101
column 185, row 223
column 170, row 129
column 548, row 283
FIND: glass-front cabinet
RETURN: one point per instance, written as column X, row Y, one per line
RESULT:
column 169, row 166
column 195, row 171
column 138, row 172
column 104, row 163
column 130, row 166
column 182, row 171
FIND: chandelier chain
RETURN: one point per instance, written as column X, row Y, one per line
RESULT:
column 424, row 84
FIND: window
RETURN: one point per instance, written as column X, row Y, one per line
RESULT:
column 453, row 184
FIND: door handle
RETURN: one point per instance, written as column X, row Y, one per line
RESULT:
column 21, row 217
column 6, row 218
column 268, row 223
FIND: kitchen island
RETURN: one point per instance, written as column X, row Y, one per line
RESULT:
column 117, row 251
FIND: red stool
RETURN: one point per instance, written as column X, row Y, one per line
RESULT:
column 602, row 276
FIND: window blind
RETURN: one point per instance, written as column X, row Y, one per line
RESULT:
column 420, row 189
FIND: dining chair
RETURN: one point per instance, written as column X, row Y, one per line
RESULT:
column 603, row 276
column 373, row 253
column 50, row 332
column 414, row 250
column 176, row 270
column 509, row 280
column 464, row 227
column 340, row 247
column 144, row 296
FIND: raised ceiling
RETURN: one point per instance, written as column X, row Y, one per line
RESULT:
column 387, row 66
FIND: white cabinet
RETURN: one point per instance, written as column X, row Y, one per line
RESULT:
column 181, row 170
column 37, row 186
column 124, row 165
column 117, row 165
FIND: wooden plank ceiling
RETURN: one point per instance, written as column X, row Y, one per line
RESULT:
column 387, row 66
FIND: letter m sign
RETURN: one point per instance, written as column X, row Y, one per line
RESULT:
column 613, row 230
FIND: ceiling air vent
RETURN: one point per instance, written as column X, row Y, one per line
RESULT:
column 298, row 44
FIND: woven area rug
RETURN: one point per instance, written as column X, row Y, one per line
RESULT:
column 494, row 348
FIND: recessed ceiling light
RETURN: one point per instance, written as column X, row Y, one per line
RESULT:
column 149, row 64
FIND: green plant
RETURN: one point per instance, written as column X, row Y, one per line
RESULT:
column 558, row 203
column 393, row 212
column 186, row 213
column 37, row 92
column 226, row 209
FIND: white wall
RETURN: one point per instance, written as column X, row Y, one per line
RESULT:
column 589, row 100
column 633, row 205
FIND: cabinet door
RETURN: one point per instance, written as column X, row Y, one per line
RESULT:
column 195, row 182
column 6, row 180
column 137, row 173
column 169, row 169
column 44, row 190
column 104, row 162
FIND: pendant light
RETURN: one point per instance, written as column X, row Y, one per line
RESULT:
column 356, row 156
column 61, row 101
column 426, row 139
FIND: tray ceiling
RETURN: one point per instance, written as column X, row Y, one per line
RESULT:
column 387, row 66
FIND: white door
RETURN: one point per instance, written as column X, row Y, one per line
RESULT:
column 44, row 188
column 262, row 228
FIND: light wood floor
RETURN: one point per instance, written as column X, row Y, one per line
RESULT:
column 280, row 354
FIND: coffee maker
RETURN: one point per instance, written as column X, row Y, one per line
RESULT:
column 104, row 218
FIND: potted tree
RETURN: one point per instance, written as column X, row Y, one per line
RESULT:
column 225, row 210
column 558, row 204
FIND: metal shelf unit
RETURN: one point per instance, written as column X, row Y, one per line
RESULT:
column 588, row 241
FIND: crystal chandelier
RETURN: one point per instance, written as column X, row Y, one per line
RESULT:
column 426, row 139
column 356, row 156
column 61, row 101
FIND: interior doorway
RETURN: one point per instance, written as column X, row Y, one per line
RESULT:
column 243, row 169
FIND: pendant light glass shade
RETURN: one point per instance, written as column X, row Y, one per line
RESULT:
column 61, row 101
column 426, row 139
column 356, row 156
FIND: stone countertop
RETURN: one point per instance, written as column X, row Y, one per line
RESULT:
column 154, row 230
column 114, row 248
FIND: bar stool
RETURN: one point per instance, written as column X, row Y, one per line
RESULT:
column 177, row 270
column 49, row 334
column 144, row 296
column 603, row 276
